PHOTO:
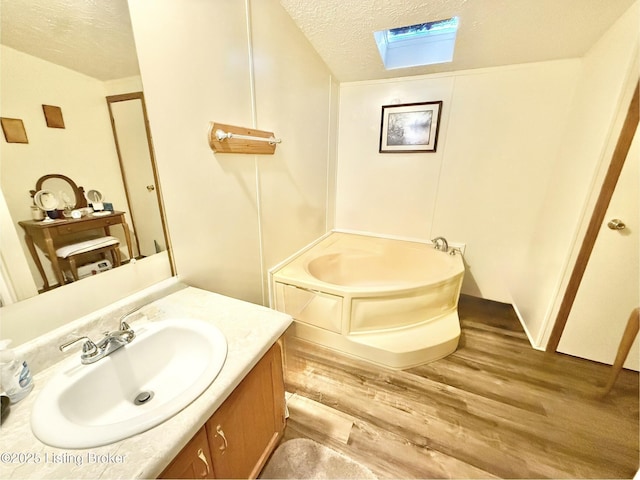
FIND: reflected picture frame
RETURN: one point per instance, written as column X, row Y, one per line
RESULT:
column 410, row 127
column 13, row 129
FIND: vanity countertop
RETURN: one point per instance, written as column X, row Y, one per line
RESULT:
column 250, row 331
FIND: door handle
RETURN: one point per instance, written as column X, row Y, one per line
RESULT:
column 151, row 188
column 616, row 224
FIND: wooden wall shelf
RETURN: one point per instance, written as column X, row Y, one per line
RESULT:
column 241, row 145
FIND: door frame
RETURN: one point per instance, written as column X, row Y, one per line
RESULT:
column 140, row 96
column 597, row 217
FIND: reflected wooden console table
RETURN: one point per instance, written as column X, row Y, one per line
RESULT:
column 49, row 236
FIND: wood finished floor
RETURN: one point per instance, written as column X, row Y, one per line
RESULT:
column 494, row 408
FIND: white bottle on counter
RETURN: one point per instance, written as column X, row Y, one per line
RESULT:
column 15, row 376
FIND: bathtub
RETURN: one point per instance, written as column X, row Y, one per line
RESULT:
column 391, row 302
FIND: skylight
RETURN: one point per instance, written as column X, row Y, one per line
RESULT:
column 416, row 45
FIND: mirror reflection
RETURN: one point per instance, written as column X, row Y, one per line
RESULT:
column 71, row 238
column 74, row 83
column 69, row 195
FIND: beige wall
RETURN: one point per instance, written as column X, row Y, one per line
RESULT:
column 232, row 216
column 499, row 135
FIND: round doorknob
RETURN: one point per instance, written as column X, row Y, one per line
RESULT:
column 151, row 188
column 616, row 224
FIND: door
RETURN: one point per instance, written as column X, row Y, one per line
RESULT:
column 247, row 427
column 610, row 287
column 193, row 461
column 138, row 171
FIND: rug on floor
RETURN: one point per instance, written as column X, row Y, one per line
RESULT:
column 304, row 458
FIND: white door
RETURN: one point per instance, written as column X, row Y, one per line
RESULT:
column 610, row 288
column 138, row 174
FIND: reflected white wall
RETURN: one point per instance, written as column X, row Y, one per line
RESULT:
column 232, row 216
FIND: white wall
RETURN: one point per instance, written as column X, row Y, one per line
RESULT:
column 123, row 85
column 83, row 151
column 233, row 216
column 16, row 275
column 541, row 272
column 499, row 135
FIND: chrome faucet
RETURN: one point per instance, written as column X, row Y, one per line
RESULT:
column 440, row 243
column 112, row 341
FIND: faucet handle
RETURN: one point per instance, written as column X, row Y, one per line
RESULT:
column 88, row 348
column 126, row 330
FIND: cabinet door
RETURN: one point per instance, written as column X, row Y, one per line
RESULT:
column 246, row 428
column 194, row 461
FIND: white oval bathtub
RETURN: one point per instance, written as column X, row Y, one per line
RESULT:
column 393, row 267
column 391, row 302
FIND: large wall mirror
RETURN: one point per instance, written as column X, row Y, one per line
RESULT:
column 70, row 76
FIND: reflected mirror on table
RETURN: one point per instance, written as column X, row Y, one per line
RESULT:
column 70, row 194
column 65, row 242
column 95, row 197
column 46, row 201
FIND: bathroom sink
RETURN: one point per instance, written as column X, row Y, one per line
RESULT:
column 168, row 365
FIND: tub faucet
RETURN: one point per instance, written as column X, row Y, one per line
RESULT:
column 440, row 243
column 112, row 341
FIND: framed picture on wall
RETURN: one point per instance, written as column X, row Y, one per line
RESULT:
column 410, row 127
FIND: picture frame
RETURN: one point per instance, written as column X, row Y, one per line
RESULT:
column 53, row 116
column 13, row 129
column 410, row 127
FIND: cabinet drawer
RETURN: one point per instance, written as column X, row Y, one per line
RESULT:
column 87, row 225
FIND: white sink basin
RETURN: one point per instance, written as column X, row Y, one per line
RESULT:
column 172, row 361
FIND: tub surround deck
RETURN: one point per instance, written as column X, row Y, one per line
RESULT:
column 391, row 302
column 367, row 265
column 250, row 331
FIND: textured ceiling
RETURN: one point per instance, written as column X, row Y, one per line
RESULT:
column 93, row 37
column 491, row 32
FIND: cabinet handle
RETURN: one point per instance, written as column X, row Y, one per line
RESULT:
column 202, row 457
column 220, row 432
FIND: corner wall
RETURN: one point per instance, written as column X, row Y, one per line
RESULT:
column 540, row 274
column 231, row 216
column 499, row 134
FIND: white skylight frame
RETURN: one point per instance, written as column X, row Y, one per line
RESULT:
column 417, row 45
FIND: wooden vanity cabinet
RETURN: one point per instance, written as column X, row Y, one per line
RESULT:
column 243, row 432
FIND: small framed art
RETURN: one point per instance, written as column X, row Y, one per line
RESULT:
column 13, row 130
column 410, row 127
column 53, row 116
